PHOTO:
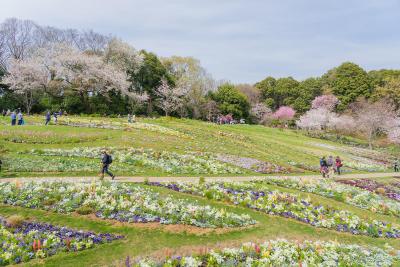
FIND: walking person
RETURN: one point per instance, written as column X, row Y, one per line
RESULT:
column 339, row 165
column 323, row 166
column 20, row 118
column 106, row 160
column 330, row 162
column 13, row 117
column 1, row 163
column 55, row 117
column 129, row 118
column 47, row 117
column 396, row 165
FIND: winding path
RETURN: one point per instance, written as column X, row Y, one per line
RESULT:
column 193, row 178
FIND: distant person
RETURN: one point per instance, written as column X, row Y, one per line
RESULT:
column 4, row 113
column 396, row 165
column 339, row 165
column 129, row 118
column 47, row 117
column 1, row 163
column 330, row 162
column 55, row 117
column 106, row 161
column 323, row 166
column 13, row 117
column 20, row 118
column 133, row 118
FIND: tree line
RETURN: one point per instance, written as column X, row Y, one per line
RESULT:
column 46, row 68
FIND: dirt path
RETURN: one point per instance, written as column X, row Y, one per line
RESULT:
column 189, row 179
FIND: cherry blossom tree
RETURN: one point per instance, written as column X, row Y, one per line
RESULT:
column 170, row 99
column 343, row 123
column 284, row 113
column 394, row 135
column 259, row 111
column 327, row 102
column 373, row 118
column 315, row 119
column 26, row 77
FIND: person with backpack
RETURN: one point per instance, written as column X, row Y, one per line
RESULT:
column 48, row 117
column 339, row 165
column 396, row 165
column 323, row 166
column 106, row 160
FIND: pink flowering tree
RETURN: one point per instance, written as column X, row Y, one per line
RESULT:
column 328, row 102
column 394, row 135
column 315, row 119
column 284, row 113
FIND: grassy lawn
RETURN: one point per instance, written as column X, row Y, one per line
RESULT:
column 293, row 151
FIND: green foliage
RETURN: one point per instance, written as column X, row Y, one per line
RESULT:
column 348, row 82
column 231, row 101
column 289, row 92
column 149, row 76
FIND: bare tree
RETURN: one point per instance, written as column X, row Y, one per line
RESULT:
column 18, row 36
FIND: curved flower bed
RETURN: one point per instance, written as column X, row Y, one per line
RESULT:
column 285, row 253
column 374, row 186
column 344, row 193
column 167, row 161
column 289, row 206
column 117, row 125
column 32, row 240
column 119, row 202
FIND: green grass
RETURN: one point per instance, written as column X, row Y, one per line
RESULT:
column 278, row 146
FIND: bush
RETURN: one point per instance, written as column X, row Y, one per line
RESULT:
column 15, row 221
column 85, row 210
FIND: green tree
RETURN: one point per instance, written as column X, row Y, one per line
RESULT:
column 348, row 82
column 149, row 76
column 231, row 101
column 305, row 92
column 390, row 90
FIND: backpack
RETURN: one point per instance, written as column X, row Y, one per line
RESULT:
column 109, row 159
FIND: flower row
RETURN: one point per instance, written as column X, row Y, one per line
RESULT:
column 29, row 240
column 284, row 253
column 340, row 192
column 117, row 125
column 374, row 186
column 288, row 206
column 169, row 162
column 117, row 201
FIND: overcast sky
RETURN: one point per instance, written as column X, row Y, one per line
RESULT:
column 238, row 40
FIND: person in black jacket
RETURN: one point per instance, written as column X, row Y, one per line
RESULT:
column 106, row 160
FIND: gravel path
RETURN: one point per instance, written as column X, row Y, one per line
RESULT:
column 188, row 179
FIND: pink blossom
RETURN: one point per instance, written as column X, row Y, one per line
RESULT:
column 328, row 102
column 284, row 113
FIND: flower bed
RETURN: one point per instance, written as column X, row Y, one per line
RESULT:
column 169, row 162
column 117, row 125
column 374, row 186
column 285, row 253
column 252, row 164
column 31, row 240
column 340, row 192
column 48, row 137
column 117, row 201
column 288, row 206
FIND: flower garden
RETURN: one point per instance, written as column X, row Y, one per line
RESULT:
column 284, row 253
column 30, row 240
column 288, row 206
column 288, row 221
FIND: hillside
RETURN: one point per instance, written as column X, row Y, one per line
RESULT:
column 168, row 146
